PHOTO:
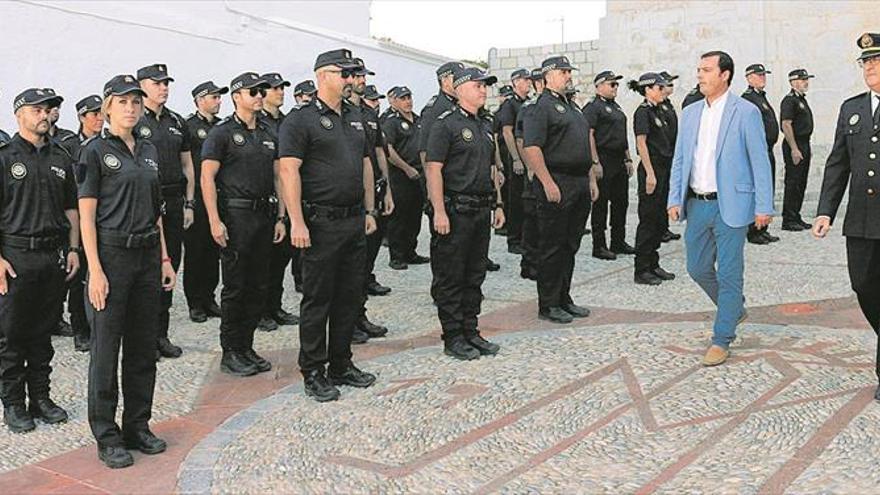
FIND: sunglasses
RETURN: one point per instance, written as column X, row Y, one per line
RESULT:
column 344, row 73
column 615, row 84
column 257, row 91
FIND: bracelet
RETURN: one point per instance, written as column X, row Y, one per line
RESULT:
column 166, row 260
column 189, row 204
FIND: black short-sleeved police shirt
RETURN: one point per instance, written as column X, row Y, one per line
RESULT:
column 247, row 158
column 796, row 109
column 527, row 107
column 465, row 145
column 768, row 115
column 126, row 185
column 436, row 106
column 167, row 131
column 36, row 187
column 650, row 120
column 506, row 116
column 332, row 148
column 67, row 139
column 273, row 123
column 608, row 122
column 74, row 145
column 197, row 129
column 671, row 119
column 403, row 135
column 375, row 136
column 4, row 138
column 560, row 129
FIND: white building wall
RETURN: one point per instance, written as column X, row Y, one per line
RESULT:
column 75, row 46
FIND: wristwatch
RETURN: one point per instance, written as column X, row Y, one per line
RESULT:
column 189, row 204
column 372, row 213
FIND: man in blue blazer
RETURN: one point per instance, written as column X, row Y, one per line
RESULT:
column 720, row 182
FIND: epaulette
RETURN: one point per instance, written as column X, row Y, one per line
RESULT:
column 226, row 120
column 297, row 106
column 176, row 116
column 693, row 91
column 62, row 148
column 89, row 140
column 431, row 102
column 445, row 114
column 645, row 104
column 4, row 144
column 856, row 97
column 188, row 117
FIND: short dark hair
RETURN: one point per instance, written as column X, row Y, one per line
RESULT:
column 725, row 62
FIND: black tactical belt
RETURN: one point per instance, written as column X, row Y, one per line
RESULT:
column 32, row 243
column 250, row 204
column 172, row 189
column 129, row 241
column 702, row 197
column 470, row 203
column 332, row 212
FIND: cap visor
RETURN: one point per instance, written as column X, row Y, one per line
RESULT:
column 489, row 80
column 258, row 84
column 160, row 79
column 129, row 90
column 282, row 83
column 221, row 91
column 52, row 101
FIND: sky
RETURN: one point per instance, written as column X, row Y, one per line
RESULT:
column 468, row 29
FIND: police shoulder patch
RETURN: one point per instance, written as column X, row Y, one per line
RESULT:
column 404, row 125
column 202, row 133
column 608, row 108
column 801, row 105
column 854, row 119
column 238, row 138
column 18, row 170
column 145, row 132
column 467, row 135
column 326, row 123
column 560, row 108
column 112, row 162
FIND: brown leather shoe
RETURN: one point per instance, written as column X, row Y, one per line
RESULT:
column 715, row 356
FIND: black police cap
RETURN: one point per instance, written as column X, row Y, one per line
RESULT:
column 362, row 69
column 448, row 69
column 606, row 76
column 799, row 74
column 505, row 90
column 468, row 74
column 391, row 90
column 758, row 69
column 306, row 87
column 556, row 62
column 400, row 92
column 248, row 80
column 870, row 45
column 537, row 74
column 651, row 78
column 371, row 93
column 91, row 103
column 340, row 58
column 36, row 96
column 275, row 80
column 156, row 72
column 122, row 84
column 208, row 88
column 669, row 77
column 519, row 74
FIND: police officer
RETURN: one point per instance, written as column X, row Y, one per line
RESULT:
column 327, row 180
column 514, row 169
column 167, row 130
column 610, row 150
column 120, row 201
column 239, row 176
column 39, row 240
column 364, row 328
column 281, row 252
column 384, row 198
column 460, row 156
column 392, row 104
column 655, row 148
column 401, row 130
column 528, row 262
column 756, row 76
column 201, row 265
column 303, row 93
column 672, row 130
column 91, row 121
column 693, row 96
column 855, row 160
column 438, row 104
column 797, row 127
column 555, row 143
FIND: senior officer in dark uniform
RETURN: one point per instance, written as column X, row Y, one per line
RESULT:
column 39, row 240
column 556, row 146
column 281, row 252
column 655, row 146
column 610, row 150
column 120, row 202
column 438, row 104
column 167, row 130
column 460, row 158
column 402, row 135
column 514, row 170
column 855, row 160
column 756, row 76
column 327, row 182
column 239, row 179
column 201, row 258
column 797, row 127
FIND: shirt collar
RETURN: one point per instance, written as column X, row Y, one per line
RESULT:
column 29, row 145
column 719, row 102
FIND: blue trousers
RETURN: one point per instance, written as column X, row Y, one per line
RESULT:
column 715, row 262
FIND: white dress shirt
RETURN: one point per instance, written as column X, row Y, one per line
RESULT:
column 875, row 100
column 702, row 179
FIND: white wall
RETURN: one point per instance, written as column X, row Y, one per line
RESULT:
column 76, row 46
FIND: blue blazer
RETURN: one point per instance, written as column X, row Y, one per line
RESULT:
column 745, row 186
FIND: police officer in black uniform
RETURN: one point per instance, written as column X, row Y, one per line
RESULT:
column 556, row 146
column 401, row 130
column 693, row 96
column 797, row 127
column 672, row 130
column 39, row 240
column 610, row 150
column 91, row 121
column 327, row 181
column 656, row 148
column 459, row 162
column 514, row 170
column 384, row 197
column 282, row 252
column 854, row 160
column 201, row 265
column 438, row 104
column 120, row 202
column 239, row 178
column 756, row 76
column 529, row 263
column 167, row 130
column 303, row 93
